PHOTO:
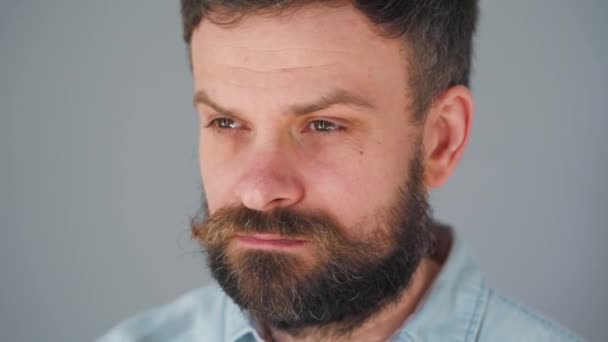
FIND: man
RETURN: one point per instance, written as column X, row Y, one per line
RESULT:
column 323, row 124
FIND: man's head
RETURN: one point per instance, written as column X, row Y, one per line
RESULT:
column 323, row 123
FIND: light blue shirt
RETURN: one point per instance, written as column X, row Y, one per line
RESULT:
column 458, row 307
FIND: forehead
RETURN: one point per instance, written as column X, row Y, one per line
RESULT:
column 314, row 49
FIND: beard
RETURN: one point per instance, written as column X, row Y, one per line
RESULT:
column 342, row 283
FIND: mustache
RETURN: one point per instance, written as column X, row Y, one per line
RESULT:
column 227, row 222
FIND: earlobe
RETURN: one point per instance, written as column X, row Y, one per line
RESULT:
column 447, row 131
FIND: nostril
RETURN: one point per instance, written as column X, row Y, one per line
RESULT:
column 271, row 193
column 277, row 203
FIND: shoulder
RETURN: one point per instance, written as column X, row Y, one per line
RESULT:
column 197, row 314
column 508, row 320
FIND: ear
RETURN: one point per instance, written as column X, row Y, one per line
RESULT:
column 446, row 133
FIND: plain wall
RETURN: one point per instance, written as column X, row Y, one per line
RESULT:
column 99, row 171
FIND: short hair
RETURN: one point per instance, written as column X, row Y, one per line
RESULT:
column 440, row 34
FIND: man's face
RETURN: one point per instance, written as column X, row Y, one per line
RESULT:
column 305, row 112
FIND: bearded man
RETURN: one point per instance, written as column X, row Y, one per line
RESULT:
column 323, row 125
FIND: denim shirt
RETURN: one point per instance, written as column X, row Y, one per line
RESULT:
column 458, row 307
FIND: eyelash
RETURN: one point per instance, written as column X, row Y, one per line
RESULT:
column 214, row 125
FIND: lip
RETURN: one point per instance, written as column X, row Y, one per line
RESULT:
column 269, row 241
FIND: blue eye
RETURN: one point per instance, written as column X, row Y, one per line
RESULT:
column 323, row 126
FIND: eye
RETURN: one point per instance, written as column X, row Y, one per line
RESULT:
column 225, row 123
column 323, row 126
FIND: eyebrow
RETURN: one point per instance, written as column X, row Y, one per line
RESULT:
column 335, row 97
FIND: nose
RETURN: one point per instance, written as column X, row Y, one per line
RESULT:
column 270, row 180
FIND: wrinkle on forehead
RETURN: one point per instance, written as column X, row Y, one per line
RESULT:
column 277, row 77
column 279, row 69
column 278, row 60
column 258, row 59
column 283, row 49
column 284, row 84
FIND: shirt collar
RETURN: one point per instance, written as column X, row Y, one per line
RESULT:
column 452, row 308
column 454, row 304
column 239, row 327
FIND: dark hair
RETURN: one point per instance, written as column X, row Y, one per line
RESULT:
column 440, row 33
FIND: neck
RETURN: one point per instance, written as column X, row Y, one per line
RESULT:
column 379, row 327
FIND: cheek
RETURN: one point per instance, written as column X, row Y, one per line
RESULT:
column 212, row 189
column 217, row 148
column 350, row 191
column 355, row 186
column 215, row 177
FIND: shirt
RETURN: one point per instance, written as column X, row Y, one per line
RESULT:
column 457, row 307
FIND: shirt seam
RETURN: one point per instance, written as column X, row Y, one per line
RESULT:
column 475, row 319
column 547, row 323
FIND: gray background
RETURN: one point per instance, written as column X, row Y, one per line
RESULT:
column 99, row 173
